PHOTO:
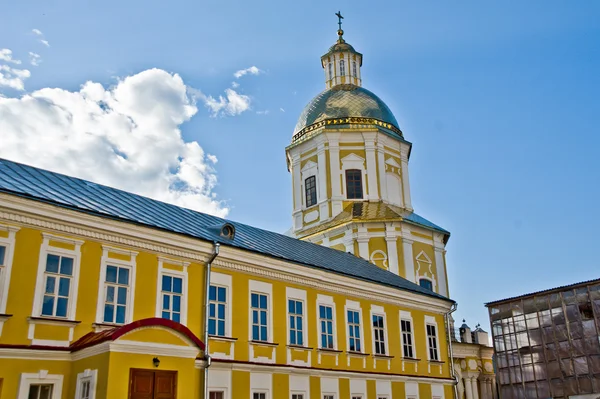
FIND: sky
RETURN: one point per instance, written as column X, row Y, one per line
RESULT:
column 194, row 103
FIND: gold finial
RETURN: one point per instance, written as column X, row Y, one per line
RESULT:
column 340, row 31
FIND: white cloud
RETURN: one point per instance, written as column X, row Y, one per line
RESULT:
column 232, row 104
column 34, row 59
column 13, row 78
column 6, row 56
column 37, row 32
column 41, row 35
column 265, row 112
column 252, row 71
column 127, row 136
column 45, row 42
column 235, row 85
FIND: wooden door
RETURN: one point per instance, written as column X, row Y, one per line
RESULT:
column 152, row 384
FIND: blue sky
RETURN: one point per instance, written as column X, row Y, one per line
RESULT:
column 501, row 103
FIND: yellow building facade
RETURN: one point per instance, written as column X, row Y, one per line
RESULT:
column 106, row 294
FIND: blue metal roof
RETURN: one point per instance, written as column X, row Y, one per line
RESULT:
column 84, row 196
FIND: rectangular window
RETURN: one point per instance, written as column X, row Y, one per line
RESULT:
column 328, row 397
column 217, row 297
column 356, row 397
column 310, row 186
column 330, row 71
column 297, row 396
column 58, row 277
column 259, row 317
column 354, row 184
column 379, row 334
column 342, row 68
column 259, row 395
column 354, row 331
column 354, row 69
column 426, row 284
column 2, row 254
column 432, row 342
column 326, row 322
column 2, row 268
column 216, row 395
column 116, row 294
column 295, row 311
column 85, row 389
column 407, row 340
column 40, row 391
column 172, row 295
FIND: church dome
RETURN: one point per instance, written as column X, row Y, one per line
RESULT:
column 346, row 104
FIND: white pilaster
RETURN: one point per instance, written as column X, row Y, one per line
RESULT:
column 297, row 190
column 405, row 179
column 494, row 388
column 363, row 242
column 392, row 248
column 475, row 390
column 381, row 171
column 349, row 242
column 440, row 268
column 468, row 388
column 322, row 166
column 409, row 263
column 373, row 193
column 334, row 166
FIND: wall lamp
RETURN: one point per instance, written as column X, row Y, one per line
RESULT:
column 156, row 362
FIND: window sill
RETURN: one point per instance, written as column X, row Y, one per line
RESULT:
column 334, row 351
column 222, row 338
column 52, row 321
column 105, row 326
column 4, row 317
column 410, row 359
column 299, row 347
column 354, row 353
column 436, row 361
column 264, row 343
column 382, row 356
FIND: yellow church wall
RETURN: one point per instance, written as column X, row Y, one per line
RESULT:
column 98, row 362
column 281, row 386
column 371, row 389
column 448, row 391
column 63, row 245
column 344, row 386
column 328, row 174
column 339, row 247
column 379, row 244
column 54, row 332
column 240, row 384
column 424, row 269
column 401, row 264
column 345, row 153
column 398, row 390
column 315, row 386
column 11, row 369
column 424, row 391
column 307, row 159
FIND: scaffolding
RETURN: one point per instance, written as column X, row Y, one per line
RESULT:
column 547, row 344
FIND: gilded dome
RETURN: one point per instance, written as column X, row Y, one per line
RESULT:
column 346, row 104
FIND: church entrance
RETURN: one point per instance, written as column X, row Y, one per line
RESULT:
column 152, row 384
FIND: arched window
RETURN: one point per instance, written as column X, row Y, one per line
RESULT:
column 310, row 189
column 330, row 70
column 342, row 68
column 354, row 184
column 354, row 69
column 425, row 283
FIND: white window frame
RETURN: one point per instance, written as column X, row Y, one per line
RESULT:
column 41, row 377
column 46, row 249
column 354, row 306
column 310, row 169
column 406, row 316
column 326, row 300
column 301, row 394
column 342, row 67
column 182, row 274
column 261, row 288
column 90, row 376
column 430, row 320
column 6, row 268
column 353, row 161
column 106, row 261
column 297, row 295
column 259, row 391
column 377, row 310
column 224, row 280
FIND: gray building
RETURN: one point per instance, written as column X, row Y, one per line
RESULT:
column 547, row 343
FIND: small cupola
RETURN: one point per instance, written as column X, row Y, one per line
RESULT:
column 341, row 63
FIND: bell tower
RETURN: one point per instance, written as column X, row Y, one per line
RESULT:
column 349, row 162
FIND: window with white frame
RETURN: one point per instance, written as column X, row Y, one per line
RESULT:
column 259, row 395
column 116, row 294
column 310, row 189
column 328, row 396
column 356, row 396
column 354, row 189
column 354, row 341
column 432, row 342
column 379, row 334
column 407, row 338
column 3, row 268
column 296, row 315
column 40, row 391
column 172, row 297
column 217, row 310
column 86, row 384
column 354, row 69
column 297, row 396
column 330, row 70
column 58, row 281
column 342, row 68
column 260, row 316
column 216, row 395
column 326, row 323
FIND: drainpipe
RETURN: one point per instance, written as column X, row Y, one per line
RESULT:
column 450, row 353
column 206, row 308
